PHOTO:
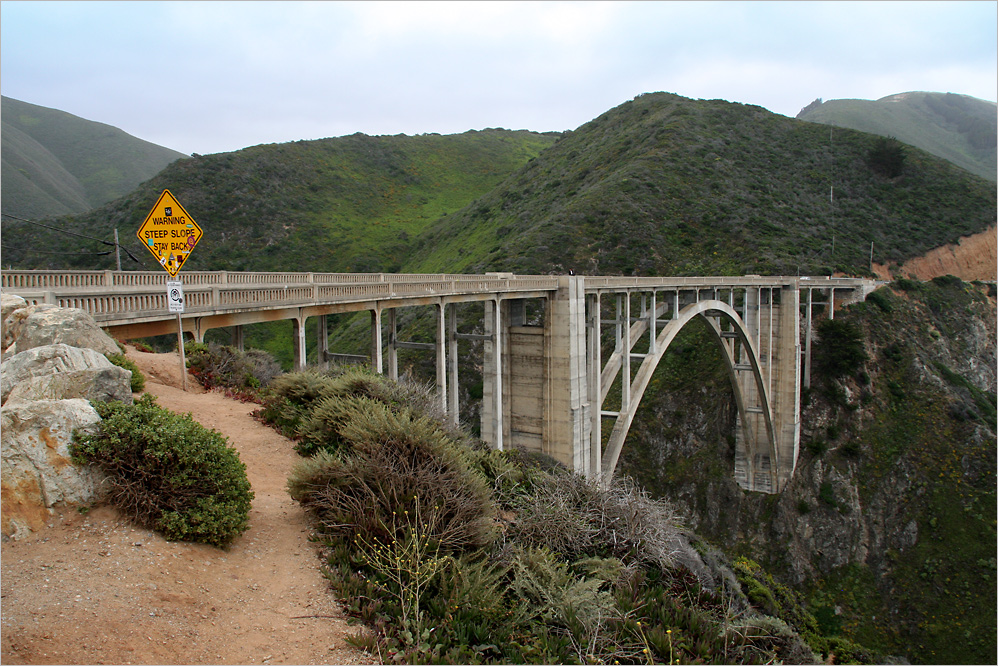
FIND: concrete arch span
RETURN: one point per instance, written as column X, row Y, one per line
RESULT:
column 757, row 458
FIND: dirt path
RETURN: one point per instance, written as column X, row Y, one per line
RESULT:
column 94, row 589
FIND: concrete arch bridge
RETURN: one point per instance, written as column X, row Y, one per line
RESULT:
column 547, row 377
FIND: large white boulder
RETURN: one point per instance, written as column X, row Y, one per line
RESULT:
column 40, row 325
column 48, row 360
column 96, row 385
column 36, row 473
column 9, row 303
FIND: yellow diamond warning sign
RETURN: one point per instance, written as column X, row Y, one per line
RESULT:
column 169, row 233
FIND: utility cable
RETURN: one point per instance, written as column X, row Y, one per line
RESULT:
column 17, row 249
column 72, row 233
column 64, row 231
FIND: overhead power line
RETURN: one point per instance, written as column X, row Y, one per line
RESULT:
column 73, row 233
column 19, row 249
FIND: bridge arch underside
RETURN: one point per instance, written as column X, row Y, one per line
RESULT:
column 758, row 465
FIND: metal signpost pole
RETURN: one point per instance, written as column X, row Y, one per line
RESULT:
column 175, row 298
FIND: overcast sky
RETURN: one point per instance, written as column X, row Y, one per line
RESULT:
column 211, row 77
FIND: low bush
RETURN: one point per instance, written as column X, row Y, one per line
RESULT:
column 226, row 367
column 397, row 464
column 138, row 382
column 290, row 399
column 168, row 472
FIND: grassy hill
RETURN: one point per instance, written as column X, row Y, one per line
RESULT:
column 959, row 128
column 666, row 185
column 342, row 204
column 55, row 163
column 660, row 185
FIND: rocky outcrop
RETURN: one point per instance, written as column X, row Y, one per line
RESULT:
column 55, row 372
column 40, row 325
column 37, row 474
column 53, row 366
column 9, row 303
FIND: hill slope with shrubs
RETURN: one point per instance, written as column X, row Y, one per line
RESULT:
column 343, row 204
column 451, row 552
column 888, row 523
column 664, row 185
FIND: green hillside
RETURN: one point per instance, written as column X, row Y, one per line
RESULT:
column 55, row 163
column 343, row 204
column 959, row 128
column 665, row 185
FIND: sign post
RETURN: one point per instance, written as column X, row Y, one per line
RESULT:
column 170, row 234
column 175, row 299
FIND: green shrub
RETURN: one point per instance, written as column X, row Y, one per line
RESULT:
column 816, row 446
column 291, row 398
column 887, row 157
column 168, row 472
column 840, row 351
column 908, row 284
column 226, row 367
column 826, row 493
column 138, row 379
column 395, row 461
column 880, row 299
column 851, row 449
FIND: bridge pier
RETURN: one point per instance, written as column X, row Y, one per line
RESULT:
column 536, row 384
column 300, row 349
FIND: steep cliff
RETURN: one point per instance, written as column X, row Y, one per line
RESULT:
column 889, row 521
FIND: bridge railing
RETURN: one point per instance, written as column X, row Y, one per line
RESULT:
column 737, row 281
column 109, row 295
column 112, row 294
column 14, row 280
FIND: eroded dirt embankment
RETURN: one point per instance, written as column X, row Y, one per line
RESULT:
column 971, row 258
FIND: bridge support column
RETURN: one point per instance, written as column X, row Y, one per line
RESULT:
column 393, row 355
column 299, row 342
column 441, row 351
column 453, row 405
column 785, row 385
column 493, row 404
column 322, row 338
column 594, row 365
column 568, row 419
column 238, row 340
column 376, row 363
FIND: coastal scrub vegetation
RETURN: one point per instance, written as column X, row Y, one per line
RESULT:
column 451, row 552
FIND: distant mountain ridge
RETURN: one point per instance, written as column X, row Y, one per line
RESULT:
column 958, row 128
column 55, row 163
